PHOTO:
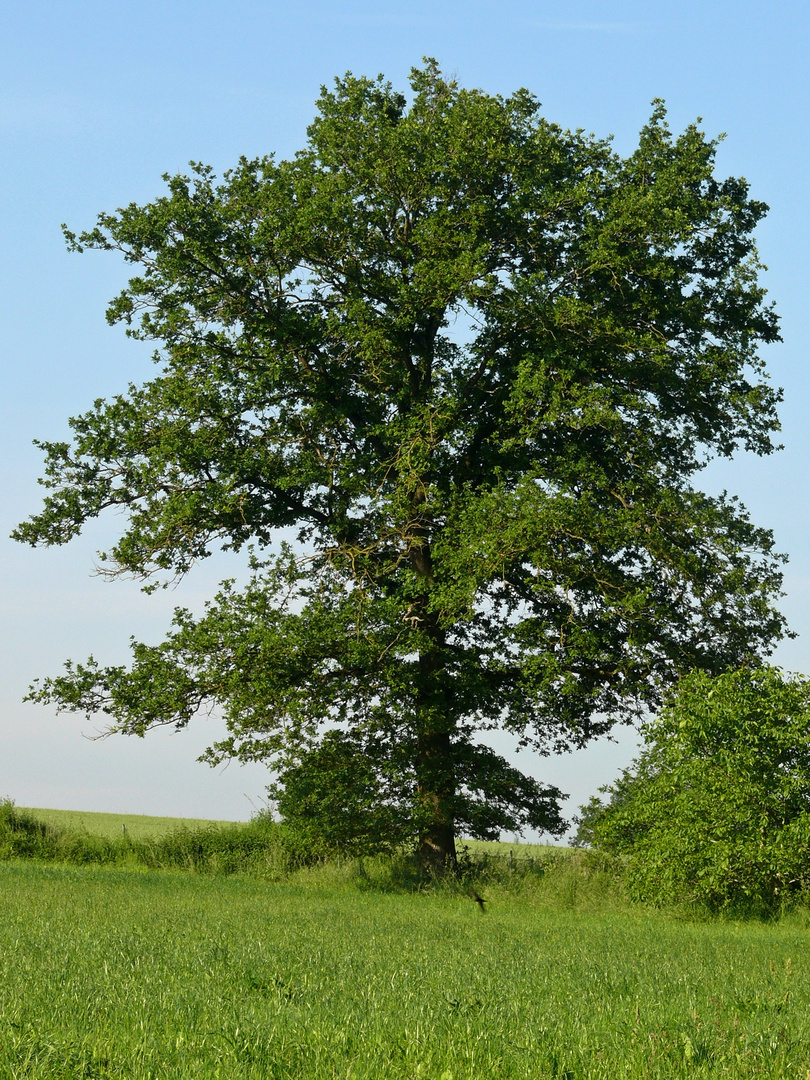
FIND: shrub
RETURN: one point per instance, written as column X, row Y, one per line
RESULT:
column 716, row 810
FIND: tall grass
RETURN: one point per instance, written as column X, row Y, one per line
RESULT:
column 260, row 846
column 116, row 973
column 299, row 969
column 552, row 877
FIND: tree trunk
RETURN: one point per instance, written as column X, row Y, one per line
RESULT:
column 436, row 789
column 435, row 769
column 437, row 852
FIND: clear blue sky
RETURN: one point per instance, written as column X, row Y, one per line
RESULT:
column 98, row 99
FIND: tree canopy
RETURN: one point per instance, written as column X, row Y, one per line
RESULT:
column 476, row 361
column 716, row 809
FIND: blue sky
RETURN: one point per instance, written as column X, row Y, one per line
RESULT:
column 97, row 100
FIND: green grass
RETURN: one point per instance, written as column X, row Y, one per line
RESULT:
column 138, row 826
column 145, row 826
column 110, row 972
column 345, row 970
column 518, row 849
column 260, row 846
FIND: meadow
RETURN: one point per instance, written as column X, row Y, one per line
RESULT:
column 345, row 970
column 112, row 826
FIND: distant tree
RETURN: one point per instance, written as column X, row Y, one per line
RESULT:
column 475, row 360
column 716, row 809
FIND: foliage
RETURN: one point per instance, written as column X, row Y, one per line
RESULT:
column 476, row 361
column 21, row 833
column 717, row 807
column 338, row 798
column 348, row 796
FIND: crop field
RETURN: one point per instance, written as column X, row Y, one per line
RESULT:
column 333, row 973
column 138, row 826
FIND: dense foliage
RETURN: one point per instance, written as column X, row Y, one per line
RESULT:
column 476, row 361
column 716, row 809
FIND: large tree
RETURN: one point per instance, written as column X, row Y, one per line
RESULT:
column 476, row 361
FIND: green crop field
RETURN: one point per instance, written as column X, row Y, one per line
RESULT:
column 126, row 973
column 138, row 826
column 148, row 827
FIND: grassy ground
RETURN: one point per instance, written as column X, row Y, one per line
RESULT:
column 258, row 846
column 144, row 826
column 138, row 826
column 109, row 972
column 518, row 850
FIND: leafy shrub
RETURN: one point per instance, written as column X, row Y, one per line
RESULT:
column 21, row 834
column 716, row 809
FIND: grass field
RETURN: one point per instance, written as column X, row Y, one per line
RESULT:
column 138, row 826
column 148, row 827
column 108, row 972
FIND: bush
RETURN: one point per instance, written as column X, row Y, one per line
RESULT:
column 716, row 810
column 21, row 834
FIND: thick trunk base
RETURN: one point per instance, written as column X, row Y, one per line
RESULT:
column 437, row 854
